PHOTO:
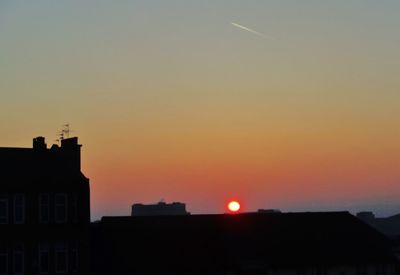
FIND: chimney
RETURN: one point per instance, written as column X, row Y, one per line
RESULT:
column 71, row 151
column 39, row 143
column 69, row 143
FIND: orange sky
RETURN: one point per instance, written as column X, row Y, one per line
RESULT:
column 170, row 100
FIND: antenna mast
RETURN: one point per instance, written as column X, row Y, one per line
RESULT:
column 64, row 133
column 66, row 130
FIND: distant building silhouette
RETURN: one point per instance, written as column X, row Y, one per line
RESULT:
column 268, row 211
column 159, row 209
column 44, row 210
column 366, row 216
column 389, row 226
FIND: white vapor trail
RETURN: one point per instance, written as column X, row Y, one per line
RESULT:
column 251, row 30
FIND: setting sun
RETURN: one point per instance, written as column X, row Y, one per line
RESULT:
column 234, row 206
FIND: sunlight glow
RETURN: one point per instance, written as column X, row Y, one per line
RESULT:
column 234, row 206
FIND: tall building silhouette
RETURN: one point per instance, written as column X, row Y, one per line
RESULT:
column 44, row 210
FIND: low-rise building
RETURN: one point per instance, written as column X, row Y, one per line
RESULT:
column 333, row 243
column 159, row 209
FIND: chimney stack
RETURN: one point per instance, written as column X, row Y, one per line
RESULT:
column 71, row 151
column 39, row 143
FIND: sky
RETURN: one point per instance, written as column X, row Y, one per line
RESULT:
column 281, row 104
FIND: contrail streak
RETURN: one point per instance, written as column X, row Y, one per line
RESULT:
column 251, row 30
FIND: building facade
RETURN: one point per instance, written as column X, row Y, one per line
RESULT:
column 44, row 210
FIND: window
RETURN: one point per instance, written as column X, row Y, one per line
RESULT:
column 44, row 258
column 3, row 211
column 19, row 208
column 61, row 257
column 44, row 208
column 61, row 208
column 74, row 257
column 3, row 261
column 18, row 258
column 75, row 208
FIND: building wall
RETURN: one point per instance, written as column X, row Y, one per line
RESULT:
column 45, row 229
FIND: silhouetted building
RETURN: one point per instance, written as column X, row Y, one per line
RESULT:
column 266, row 211
column 44, row 210
column 159, row 209
column 366, row 216
column 389, row 226
column 334, row 243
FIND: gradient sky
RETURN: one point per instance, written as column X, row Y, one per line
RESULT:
column 170, row 100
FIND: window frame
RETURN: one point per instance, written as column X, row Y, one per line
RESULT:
column 4, row 252
column 64, row 205
column 44, row 248
column 63, row 248
column 7, row 211
column 44, row 206
column 22, row 196
column 75, row 208
column 74, row 252
column 19, row 249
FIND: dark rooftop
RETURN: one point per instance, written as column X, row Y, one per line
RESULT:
column 260, row 239
column 39, row 161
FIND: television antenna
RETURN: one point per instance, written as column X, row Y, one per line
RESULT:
column 64, row 133
column 66, row 130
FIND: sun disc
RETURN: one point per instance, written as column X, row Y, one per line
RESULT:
column 234, row 206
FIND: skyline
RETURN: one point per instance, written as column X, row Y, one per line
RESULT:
column 171, row 101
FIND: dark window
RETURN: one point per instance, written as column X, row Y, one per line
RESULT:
column 44, row 208
column 3, row 210
column 74, row 257
column 61, row 208
column 43, row 258
column 18, row 258
column 19, row 208
column 3, row 261
column 61, row 258
column 75, row 208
